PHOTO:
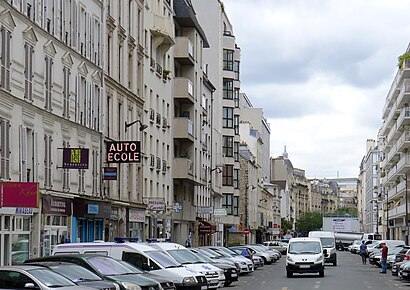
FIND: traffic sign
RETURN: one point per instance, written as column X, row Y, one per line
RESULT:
column 246, row 231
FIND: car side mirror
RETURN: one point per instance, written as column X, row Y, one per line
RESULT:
column 324, row 251
column 29, row 285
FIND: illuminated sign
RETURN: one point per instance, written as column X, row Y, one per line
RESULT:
column 123, row 152
column 75, row 158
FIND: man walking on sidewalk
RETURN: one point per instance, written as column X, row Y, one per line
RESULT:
column 363, row 252
column 385, row 250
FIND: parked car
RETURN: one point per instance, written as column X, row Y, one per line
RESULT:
column 403, row 255
column 35, row 277
column 78, row 274
column 277, row 245
column 395, row 269
column 267, row 257
column 229, row 254
column 405, row 271
column 230, row 271
column 354, row 248
column 216, row 257
column 107, row 268
column 376, row 256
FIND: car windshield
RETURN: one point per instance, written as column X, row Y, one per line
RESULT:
column 51, row 279
column 226, row 252
column 210, row 253
column 327, row 242
column 75, row 273
column 184, row 256
column 203, row 256
column 108, row 267
column 132, row 268
column 163, row 259
column 305, row 247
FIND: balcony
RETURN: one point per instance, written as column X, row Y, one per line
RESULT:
column 392, row 117
column 183, row 168
column 397, row 191
column 403, row 142
column 163, row 30
column 183, row 129
column 228, row 40
column 188, row 212
column 184, row 90
column 184, row 50
column 403, row 165
column 398, row 211
column 404, row 94
column 392, row 153
column 393, row 134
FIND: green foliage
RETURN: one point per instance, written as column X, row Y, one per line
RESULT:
column 286, row 225
column 402, row 58
column 309, row 221
column 345, row 212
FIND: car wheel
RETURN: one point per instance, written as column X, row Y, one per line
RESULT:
column 289, row 274
column 322, row 273
column 226, row 284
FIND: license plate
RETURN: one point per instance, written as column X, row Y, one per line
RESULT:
column 304, row 266
column 234, row 275
column 204, row 287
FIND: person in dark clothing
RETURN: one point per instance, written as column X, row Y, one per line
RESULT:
column 363, row 252
column 385, row 250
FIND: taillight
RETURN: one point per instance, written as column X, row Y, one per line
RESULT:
column 406, row 257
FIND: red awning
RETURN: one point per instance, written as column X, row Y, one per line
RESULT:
column 205, row 227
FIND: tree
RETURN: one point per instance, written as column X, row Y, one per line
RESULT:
column 309, row 221
column 286, row 225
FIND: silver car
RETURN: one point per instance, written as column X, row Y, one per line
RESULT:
column 35, row 277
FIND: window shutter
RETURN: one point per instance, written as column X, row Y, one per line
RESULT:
column 77, row 102
column 50, row 161
column 7, row 149
column 2, row 149
column 3, row 57
column 7, row 61
column 26, row 56
column 46, row 161
column 23, row 154
column 35, row 157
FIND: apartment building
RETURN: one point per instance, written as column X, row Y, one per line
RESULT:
column 51, row 82
column 329, row 195
column 224, row 73
column 300, row 193
column 395, row 160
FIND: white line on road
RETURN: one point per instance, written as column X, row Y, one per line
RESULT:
column 317, row 286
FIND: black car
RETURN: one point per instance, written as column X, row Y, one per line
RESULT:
column 78, row 274
column 395, row 269
column 230, row 271
column 107, row 268
column 403, row 255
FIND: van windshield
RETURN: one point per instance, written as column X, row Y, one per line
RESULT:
column 185, row 256
column 304, row 247
column 327, row 242
column 163, row 259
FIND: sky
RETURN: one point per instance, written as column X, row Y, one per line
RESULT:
column 321, row 70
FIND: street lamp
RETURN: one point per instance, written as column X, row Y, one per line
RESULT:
column 247, row 210
column 141, row 128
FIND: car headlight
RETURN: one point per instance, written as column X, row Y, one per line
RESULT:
column 189, row 280
column 319, row 259
column 130, row 286
column 289, row 259
column 243, row 263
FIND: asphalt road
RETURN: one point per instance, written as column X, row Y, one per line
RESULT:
column 349, row 274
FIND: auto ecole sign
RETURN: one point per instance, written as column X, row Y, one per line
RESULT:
column 123, row 152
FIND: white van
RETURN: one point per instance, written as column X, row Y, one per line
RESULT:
column 156, row 262
column 305, row 255
column 328, row 243
column 214, row 275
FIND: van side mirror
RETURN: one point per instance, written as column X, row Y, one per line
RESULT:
column 325, row 251
column 29, row 285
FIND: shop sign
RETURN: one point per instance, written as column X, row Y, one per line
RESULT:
column 205, row 210
column 24, row 210
column 220, row 212
column 123, row 152
column 205, row 227
column 56, row 205
column 114, row 213
column 177, row 207
column 75, row 158
column 156, row 204
column 110, row 173
column 19, row 194
column 137, row 216
column 92, row 208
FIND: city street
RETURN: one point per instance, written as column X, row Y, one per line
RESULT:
column 350, row 274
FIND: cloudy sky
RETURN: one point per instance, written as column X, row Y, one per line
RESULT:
column 321, row 71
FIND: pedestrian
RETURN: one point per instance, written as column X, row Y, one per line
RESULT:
column 363, row 252
column 385, row 250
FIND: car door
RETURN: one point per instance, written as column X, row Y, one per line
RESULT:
column 15, row 280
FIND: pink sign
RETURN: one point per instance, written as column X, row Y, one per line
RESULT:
column 19, row 194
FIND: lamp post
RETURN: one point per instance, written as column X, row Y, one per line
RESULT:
column 247, row 210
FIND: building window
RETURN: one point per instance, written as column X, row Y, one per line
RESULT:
column 231, row 204
column 4, row 149
column 236, row 178
column 228, row 89
column 228, row 146
column 5, row 37
column 227, row 175
column 81, row 180
column 227, row 121
column 236, row 70
column 236, row 124
column 48, row 83
column 228, row 59
column 95, row 172
column 66, row 172
column 66, row 93
column 236, row 97
column 28, row 72
column 236, row 151
column 48, row 164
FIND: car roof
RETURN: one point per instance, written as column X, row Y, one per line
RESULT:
column 167, row 246
column 21, row 267
column 50, row 263
column 304, row 240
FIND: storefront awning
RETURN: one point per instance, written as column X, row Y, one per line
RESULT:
column 206, row 227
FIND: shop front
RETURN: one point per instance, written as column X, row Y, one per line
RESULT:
column 135, row 224
column 19, row 222
column 90, row 218
column 205, row 231
column 55, row 223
